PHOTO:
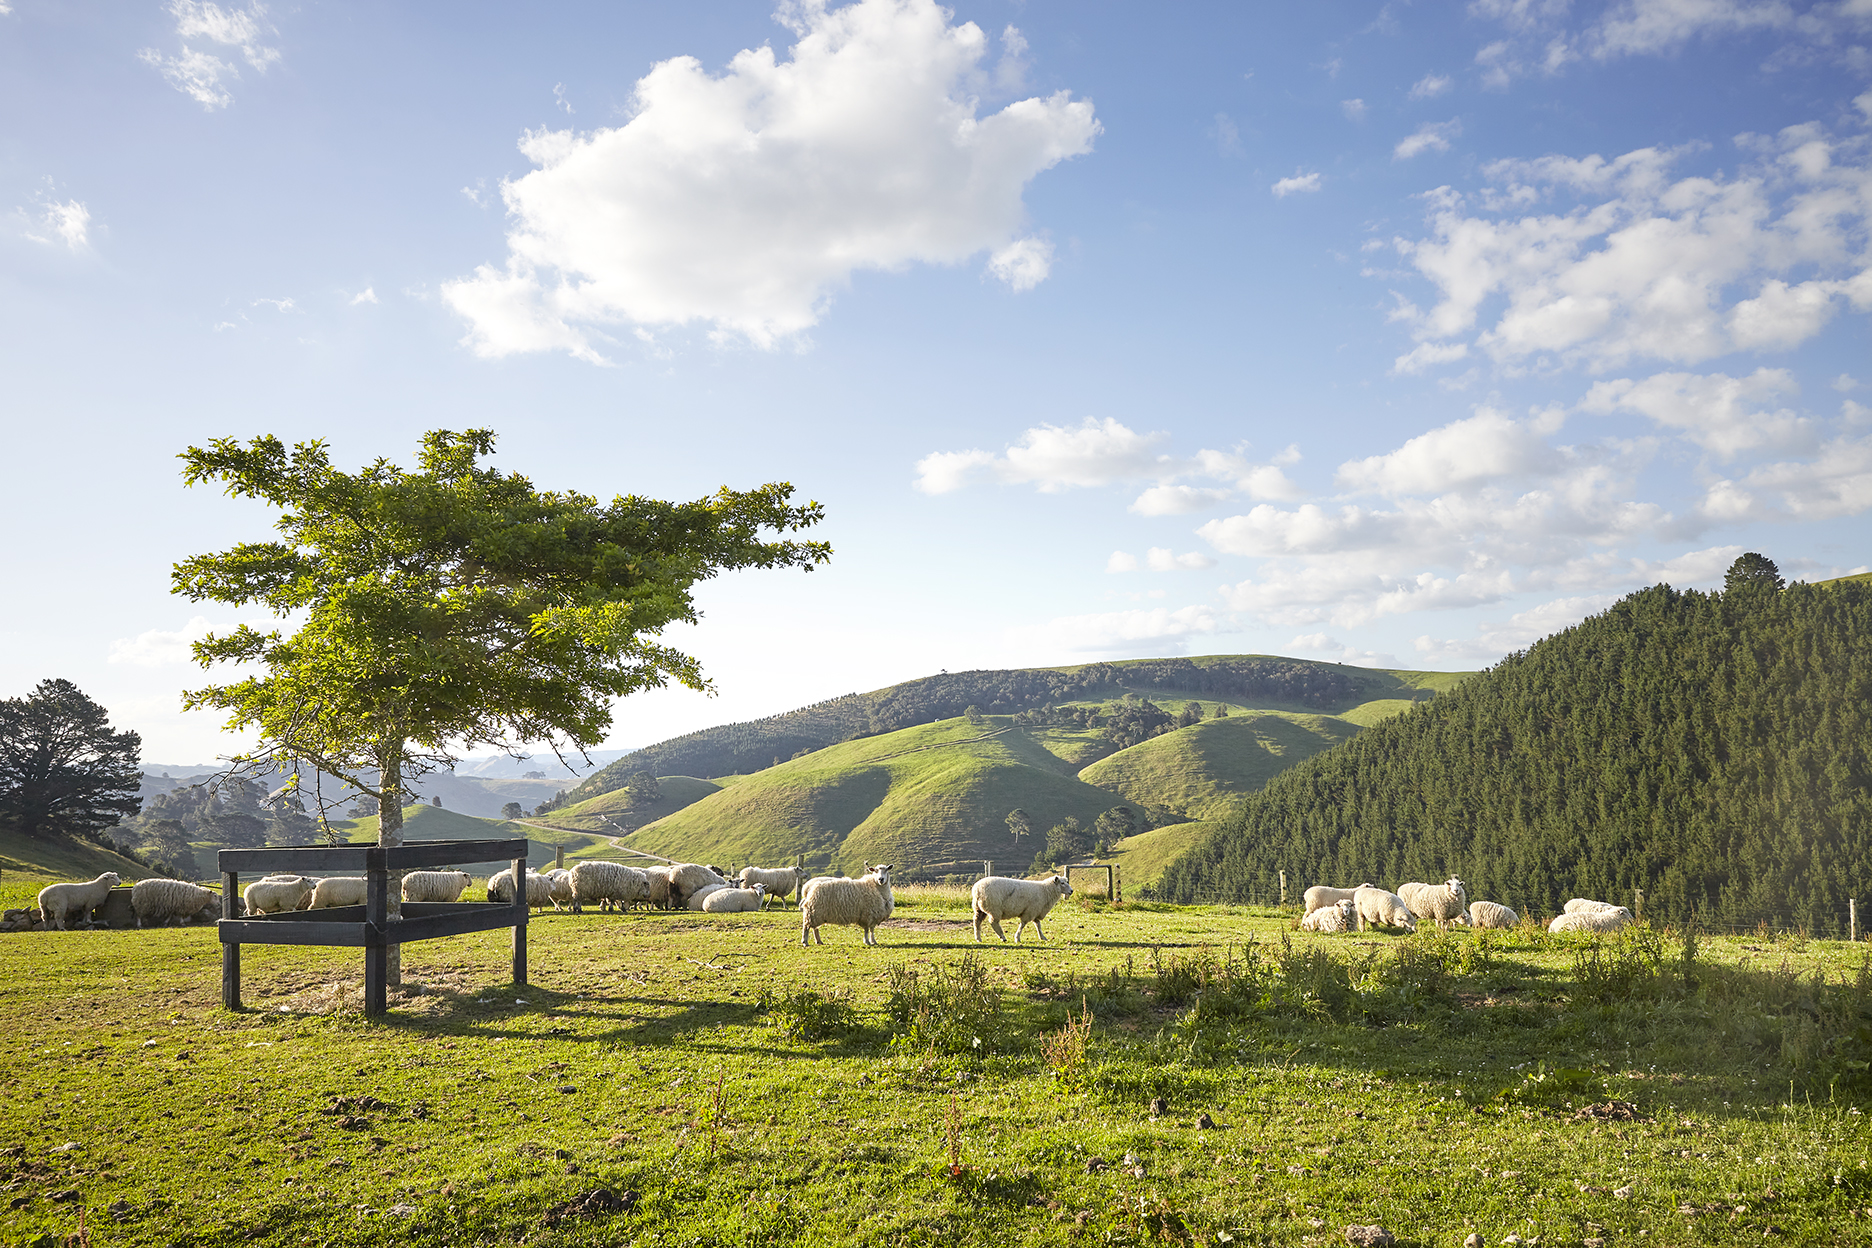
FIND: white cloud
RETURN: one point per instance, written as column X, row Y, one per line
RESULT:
column 1429, row 87
column 1718, row 412
column 1163, row 559
column 158, row 647
column 1121, row 562
column 1635, row 27
column 68, row 223
column 199, row 75
column 1432, row 136
column 1836, row 482
column 1845, row 383
column 1023, row 263
column 1120, row 630
column 1519, row 631
column 1052, row 457
column 1177, row 500
column 559, row 98
column 367, row 295
column 1299, row 184
column 1339, row 651
column 1227, row 135
column 1680, row 270
column 1354, row 110
column 1486, row 447
column 1429, row 354
column 743, row 201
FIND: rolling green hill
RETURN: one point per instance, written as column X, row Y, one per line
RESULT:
column 28, row 864
column 1713, row 750
column 437, row 823
column 613, row 812
column 1200, row 770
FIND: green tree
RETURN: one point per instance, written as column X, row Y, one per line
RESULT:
column 165, row 843
column 63, row 771
column 454, row 607
column 1067, row 840
column 1116, row 824
column 513, row 810
column 974, row 715
column 643, row 789
column 1753, row 573
column 1019, row 824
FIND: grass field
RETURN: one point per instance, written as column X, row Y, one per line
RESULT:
column 727, row 1086
column 1202, row 768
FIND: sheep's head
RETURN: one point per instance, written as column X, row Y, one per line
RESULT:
column 111, row 878
column 882, row 871
column 760, row 890
column 1065, row 889
column 1455, row 887
column 1345, row 909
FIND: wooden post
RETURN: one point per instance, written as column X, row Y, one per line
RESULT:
column 1852, row 918
column 377, row 925
column 520, row 923
column 1283, row 884
column 230, row 954
column 1117, row 883
column 558, row 857
column 987, row 867
column 1638, row 896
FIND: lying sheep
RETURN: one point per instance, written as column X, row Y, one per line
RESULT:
column 1334, row 918
column 538, row 891
column 864, row 902
column 1442, row 903
column 340, row 890
column 159, row 902
column 1592, row 920
column 734, row 900
column 1580, row 904
column 275, row 894
column 1491, row 916
column 997, row 897
column 59, row 902
column 687, row 879
column 780, row 882
column 435, row 885
column 1386, row 909
column 608, row 884
column 703, row 894
column 558, row 886
column 1321, row 895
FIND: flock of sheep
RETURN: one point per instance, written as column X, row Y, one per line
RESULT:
column 1447, row 905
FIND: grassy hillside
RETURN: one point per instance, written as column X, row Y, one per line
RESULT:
column 1142, row 859
column 1200, row 769
column 28, row 864
column 611, row 813
column 932, row 799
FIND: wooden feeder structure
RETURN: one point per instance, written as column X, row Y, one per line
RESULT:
column 1113, row 885
column 368, row 926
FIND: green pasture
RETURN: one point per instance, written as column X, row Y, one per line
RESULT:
column 1202, row 768
column 1149, row 1074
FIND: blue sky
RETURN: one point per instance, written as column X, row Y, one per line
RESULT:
column 1388, row 334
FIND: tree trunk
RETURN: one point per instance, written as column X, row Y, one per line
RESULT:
column 389, row 835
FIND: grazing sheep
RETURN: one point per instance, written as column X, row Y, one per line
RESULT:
column 538, row 891
column 59, row 902
column 275, row 894
column 733, row 900
column 687, row 879
column 1592, row 920
column 1444, row 903
column 1323, row 895
column 558, row 886
column 340, row 890
column 779, row 881
column 658, row 878
column 1386, row 909
column 997, row 897
column 435, row 885
column 703, row 894
column 1491, row 916
column 1334, row 918
column 1583, row 904
column 158, row 903
column 608, row 883
column 864, row 902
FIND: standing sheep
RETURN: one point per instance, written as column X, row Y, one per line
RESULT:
column 275, row 894
column 559, row 886
column 658, row 880
column 59, row 902
column 997, row 897
column 158, row 903
column 1386, row 909
column 733, row 900
column 687, row 879
column 1491, row 916
column 1592, row 920
column 538, row 892
column 780, row 882
column 1321, row 895
column 607, row 883
column 1334, row 918
column 1444, row 903
column 435, row 885
column 340, row 890
column 864, row 903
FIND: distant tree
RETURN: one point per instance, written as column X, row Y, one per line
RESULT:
column 974, row 716
column 643, row 789
column 1753, row 573
column 1116, row 824
column 1221, row 711
column 513, row 810
column 1019, row 824
column 1067, row 840
column 436, row 799
column 63, row 771
column 365, row 806
column 290, row 825
column 534, row 775
column 235, row 829
column 1190, row 714
column 165, row 845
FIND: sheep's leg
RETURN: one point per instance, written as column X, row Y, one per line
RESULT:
column 979, row 916
column 995, row 922
column 1037, row 932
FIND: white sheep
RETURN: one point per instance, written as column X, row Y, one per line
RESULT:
column 538, row 891
column 779, row 881
column 1321, row 895
column 276, row 893
column 558, row 886
column 435, row 885
column 997, row 897
column 689, row 878
column 160, row 902
column 59, row 902
column 1592, row 920
column 1585, row 904
column 1491, row 916
column 340, row 890
column 703, row 894
column 864, row 902
column 658, row 880
column 608, row 883
column 1334, row 918
column 734, row 900
column 1385, row 908
column 1443, row 903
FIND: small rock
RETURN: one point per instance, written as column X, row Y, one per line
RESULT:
column 67, row 1146
column 1159, row 1106
column 185, row 1056
column 1369, row 1237
column 69, row 1194
column 1472, row 1241
column 567, row 1089
column 1622, row 1193
column 400, row 1211
column 121, row 1209
column 1095, row 1164
column 1205, row 1123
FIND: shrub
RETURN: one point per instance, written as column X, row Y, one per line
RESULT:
column 947, row 1009
column 807, row 1015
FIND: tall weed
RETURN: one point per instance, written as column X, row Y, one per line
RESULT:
column 947, row 1008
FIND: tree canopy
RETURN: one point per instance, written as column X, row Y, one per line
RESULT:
column 63, row 770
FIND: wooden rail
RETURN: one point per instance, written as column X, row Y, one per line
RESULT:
column 368, row 926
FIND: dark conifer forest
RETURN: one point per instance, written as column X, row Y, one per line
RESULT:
column 1709, row 749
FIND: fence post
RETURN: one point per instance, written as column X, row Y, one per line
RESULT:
column 987, row 867
column 377, row 934
column 230, row 954
column 1852, row 918
column 520, row 923
column 558, row 857
column 1283, row 883
column 1638, row 895
column 1117, row 883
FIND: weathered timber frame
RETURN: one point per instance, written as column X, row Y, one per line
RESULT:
column 368, row 926
column 1112, row 882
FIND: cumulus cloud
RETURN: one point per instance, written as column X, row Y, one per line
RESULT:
column 367, row 295
column 1486, row 447
column 1432, row 136
column 159, row 647
column 1723, row 414
column 1519, row 631
column 1177, row 500
column 1647, row 266
column 742, row 201
column 1167, row 630
column 1121, row 562
column 200, row 75
column 1163, row 559
column 1339, row 651
column 67, row 223
column 1637, row 27
column 1835, row 482
column 1299, row 184
column 1354, row 110
column 1429, row 87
